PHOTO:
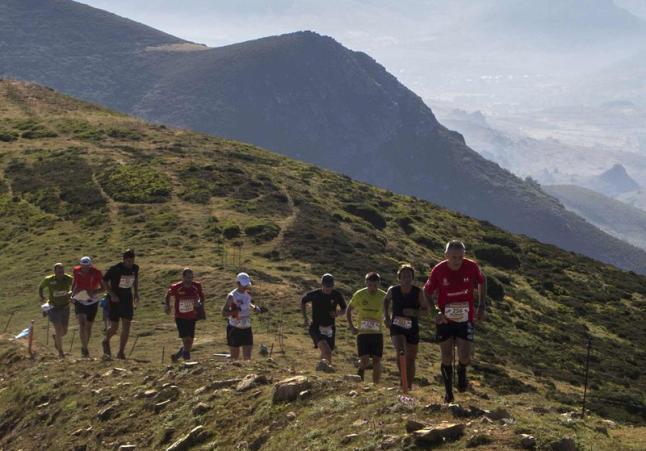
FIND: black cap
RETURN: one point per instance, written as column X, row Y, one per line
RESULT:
column 327, row 280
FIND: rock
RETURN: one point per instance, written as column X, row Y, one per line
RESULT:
column 223, row 384
column 127, row 447
column 601, row 429
column 259, row 441
column 540, row 410
column 458, row 411
column 609, row 423
column 149, row 393
column 325, row 366
column 195, row 437
column 348, row 438
column 527, row 441
column 352, row 378
column 199, row 391
column 191, row 364
column 479, row 440
column 433, row 435
column 353, row 393
column 359, row 423
column 171, row 392
column 161, row 405
column 433, row 407
column 251, row 381
column 565, row 444
column 82, row 431
column 289, row 389
column 499, row 414
column 201, row 409
column 291, row 416
column 305, row 394
column 389, row 441
column 414, row 425
column 106, row 413
column 79, row 448
column 168, row 435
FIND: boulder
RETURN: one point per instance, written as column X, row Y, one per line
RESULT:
column 289, row 389
column 565, row 444
column 251, row 381
column 195, row 437
column 479, row 440
column 433, row 435
column 414, row 425
column 527, row 441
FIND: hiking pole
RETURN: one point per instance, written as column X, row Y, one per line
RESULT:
column 47, row 333
column 8, row 321
column 72, row 341
column 454, row 375
column 403, row 371
column 163, row 352
column 133, row 345
column 587, row 371
column 31, row 338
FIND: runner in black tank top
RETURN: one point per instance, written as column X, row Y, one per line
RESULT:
column 403, row 323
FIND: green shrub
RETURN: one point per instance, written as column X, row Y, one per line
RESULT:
column 429, row 242
column 231, row 230
column 262, row 230
column 6, row 136
column 495, row 289
column 502, row 240
column 367, row 213
column 406, row 223
column 498, row 256
column 124, row 133
column 135, row 184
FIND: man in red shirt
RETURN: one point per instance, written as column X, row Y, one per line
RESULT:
column 86, row 287
column 453, row 283
column 188, row 298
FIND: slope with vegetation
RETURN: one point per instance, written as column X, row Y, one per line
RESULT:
column 77, row 179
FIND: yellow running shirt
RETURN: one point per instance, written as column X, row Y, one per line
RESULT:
column 368, row 311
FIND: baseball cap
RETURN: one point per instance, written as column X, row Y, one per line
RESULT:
column 327, row 280
column 86, row 261
column 244, row 279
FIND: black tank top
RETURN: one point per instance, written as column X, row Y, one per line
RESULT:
column 403, row 301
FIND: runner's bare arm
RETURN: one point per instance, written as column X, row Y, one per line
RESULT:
column 348, row 316
column 136, row 287
column 226, row 309
column 423, row 302
column 387, row 299
column 40, row 293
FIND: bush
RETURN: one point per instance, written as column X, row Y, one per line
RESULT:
column 135, row 184
column 495, row 289
column 367, row 213
column 429, row 242
column 262, row 231
column 230, row 230
column 498, row 256
column 502, row 241
column 6, row 136
column 406, row 223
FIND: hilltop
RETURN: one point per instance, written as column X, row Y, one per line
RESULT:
column 80, row 179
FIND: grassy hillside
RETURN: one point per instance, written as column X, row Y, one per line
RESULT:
column 78, row 179
column 615, row 217
column 301, row 94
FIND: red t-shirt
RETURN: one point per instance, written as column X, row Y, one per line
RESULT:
column 455, row 289
column 91, row 280
column 186, row 298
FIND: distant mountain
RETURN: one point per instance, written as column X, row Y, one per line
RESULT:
column 302, row 94
column 613, row 216
column 613, row 182
column 635, row 198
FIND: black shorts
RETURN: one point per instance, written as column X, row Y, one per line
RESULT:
column 88, row 310
column 317, row 336
column 185, row 327
column 122, row 309
column 458, row 330
column 370, row 344
column 412, row 334
column 237, row 337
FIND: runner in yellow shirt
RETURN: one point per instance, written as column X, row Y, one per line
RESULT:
column 367, row 305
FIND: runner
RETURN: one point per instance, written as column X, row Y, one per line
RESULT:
column 322, row 329
column 407, row 300
column 237, row 308
column 453, row 281
column 188, row 299
column 367, row 303
column 121, row 280
column 57, row 303
column 88, row 283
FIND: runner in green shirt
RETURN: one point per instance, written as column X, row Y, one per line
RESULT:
column 367, row 305
column 58, row 286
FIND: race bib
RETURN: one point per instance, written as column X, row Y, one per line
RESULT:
column 457, row 312
column 370, row 324
column 186, row 305
column 243, row 323
column 328, row 331
column 126, row 281
column 60, row 294
column 404, row 323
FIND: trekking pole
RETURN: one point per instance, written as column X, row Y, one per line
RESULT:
column 72, row 341
column 271, row 350
column 47, row 333
column 587, row 371
column 454, row 376
column 403, row 371
column 31, row 338
column 133, row 345
column 8, row 321
column 163, row 352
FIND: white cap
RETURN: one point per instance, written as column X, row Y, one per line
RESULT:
column 86, row 261
column 244, row 279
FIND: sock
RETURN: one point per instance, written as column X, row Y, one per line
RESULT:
column 447, row 376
